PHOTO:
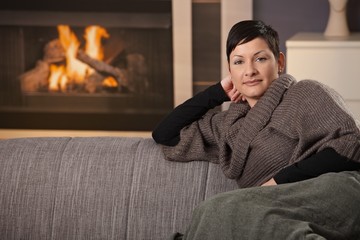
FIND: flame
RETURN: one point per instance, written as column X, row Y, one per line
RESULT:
column 93, row 48
column 76, row 71
column 57, row 77
column 110, row 82
column 93, row 36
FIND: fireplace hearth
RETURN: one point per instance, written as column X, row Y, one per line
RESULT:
column 129, row 87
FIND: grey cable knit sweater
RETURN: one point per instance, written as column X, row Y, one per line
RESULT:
column 292, row 121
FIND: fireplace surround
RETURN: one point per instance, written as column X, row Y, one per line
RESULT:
column 144, row 32
column 231, row 11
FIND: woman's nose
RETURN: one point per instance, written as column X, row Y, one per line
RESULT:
column 250, row 70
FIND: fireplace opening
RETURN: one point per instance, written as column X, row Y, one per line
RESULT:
column 88, row 74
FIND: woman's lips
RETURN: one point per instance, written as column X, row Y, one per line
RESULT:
column 252, row 82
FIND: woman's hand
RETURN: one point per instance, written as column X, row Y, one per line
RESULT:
column 271, row 182
column 230, row 90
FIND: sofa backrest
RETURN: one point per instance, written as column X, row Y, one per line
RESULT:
column 98, row 188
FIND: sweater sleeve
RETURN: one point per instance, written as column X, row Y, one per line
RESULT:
column 327, row 160
column 322, row 120
column 328, row 137
column 167, row 132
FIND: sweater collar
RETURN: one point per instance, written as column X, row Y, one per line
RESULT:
column 244, row 131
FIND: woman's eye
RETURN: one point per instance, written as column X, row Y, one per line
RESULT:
column 237, row 62
column 260, row 59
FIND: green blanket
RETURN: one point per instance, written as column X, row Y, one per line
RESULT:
column 326, row 207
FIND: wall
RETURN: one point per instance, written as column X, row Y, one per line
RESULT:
column 291, row 16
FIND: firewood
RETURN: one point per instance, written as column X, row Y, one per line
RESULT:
column 104, row 68
column 54, row 52
column 35, row 79
column 93, row 83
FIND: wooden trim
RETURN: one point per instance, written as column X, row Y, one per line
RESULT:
column 205, row 83
column 21, row 133
column 182, row 49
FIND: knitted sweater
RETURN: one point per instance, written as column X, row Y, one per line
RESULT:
column 292, row 121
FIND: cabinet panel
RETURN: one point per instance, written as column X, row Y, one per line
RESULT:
column 334, row 62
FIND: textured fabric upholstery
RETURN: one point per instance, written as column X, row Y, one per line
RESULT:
column 29, row 172
column 98, row 188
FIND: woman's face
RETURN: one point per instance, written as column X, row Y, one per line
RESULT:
column 253, row 68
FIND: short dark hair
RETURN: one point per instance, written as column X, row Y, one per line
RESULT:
column 245, row 31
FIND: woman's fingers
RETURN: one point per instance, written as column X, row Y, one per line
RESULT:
column 235, row 95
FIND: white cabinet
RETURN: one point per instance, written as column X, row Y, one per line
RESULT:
column 335, row 62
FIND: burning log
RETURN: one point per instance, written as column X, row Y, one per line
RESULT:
column 54, row 52
column 93, row 83
column 104, row 68
column 35, row 79
column 134, row 67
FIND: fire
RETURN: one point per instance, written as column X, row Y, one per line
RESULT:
column 93, row 36
column 76, row 71
column 110, row 82
column 57, row 78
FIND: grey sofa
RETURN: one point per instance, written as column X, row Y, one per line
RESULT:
column 98, row 188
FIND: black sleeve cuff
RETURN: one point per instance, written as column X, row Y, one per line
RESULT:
column 327, row 160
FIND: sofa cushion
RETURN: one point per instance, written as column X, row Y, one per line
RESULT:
column 29, row 170
column 93, row 192
column 165, row 193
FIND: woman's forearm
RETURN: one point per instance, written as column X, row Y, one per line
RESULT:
column 327, row 160
column 168, row 130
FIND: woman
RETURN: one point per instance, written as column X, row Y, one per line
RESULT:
column 283, row 131
column 277, row 130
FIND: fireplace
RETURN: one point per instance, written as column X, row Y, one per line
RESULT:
column 126, row 85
